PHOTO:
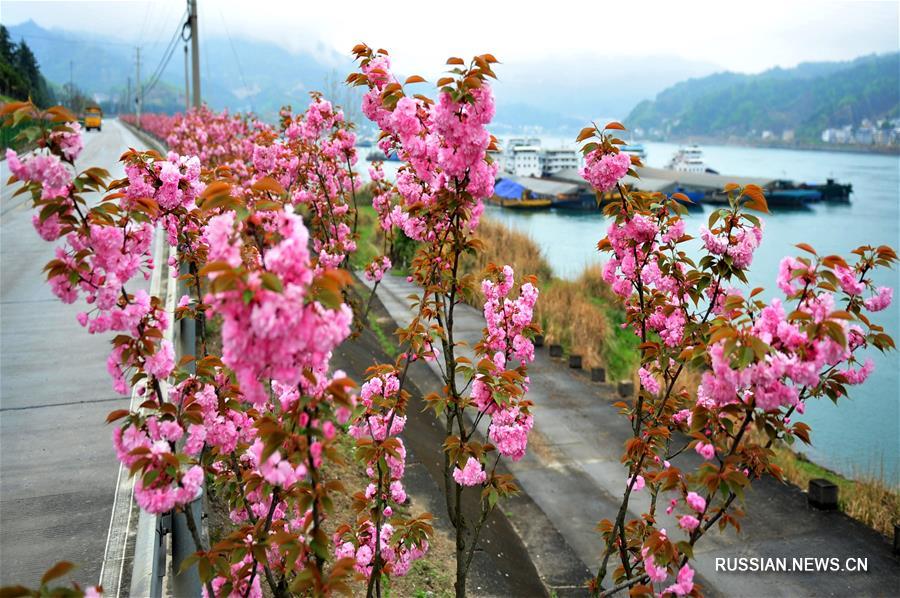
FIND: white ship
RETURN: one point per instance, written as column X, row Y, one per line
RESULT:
column 689, row 159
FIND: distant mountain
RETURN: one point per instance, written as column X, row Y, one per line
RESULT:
column 262, row 79
column 573, row 90
column 806, row 99
column 550, row 95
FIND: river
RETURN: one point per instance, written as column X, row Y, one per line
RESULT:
column 859, row 436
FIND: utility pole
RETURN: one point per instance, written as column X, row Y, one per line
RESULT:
column 127, row 107
column 195, row 50
column 138, row 98
column 187, row 82
column 71, row 87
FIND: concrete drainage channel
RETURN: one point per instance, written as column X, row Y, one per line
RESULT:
column 144, row 552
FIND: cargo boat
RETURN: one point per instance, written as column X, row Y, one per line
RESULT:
column 521, row 193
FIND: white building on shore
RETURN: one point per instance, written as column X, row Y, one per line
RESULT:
column 526, row 158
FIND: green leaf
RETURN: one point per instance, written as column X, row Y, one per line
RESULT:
column 272, row 282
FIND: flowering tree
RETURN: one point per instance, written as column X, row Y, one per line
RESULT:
column 261, row 421
column 761, row 362
column 437, row 199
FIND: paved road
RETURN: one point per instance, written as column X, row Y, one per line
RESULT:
column 573, row 473
column 57, row 467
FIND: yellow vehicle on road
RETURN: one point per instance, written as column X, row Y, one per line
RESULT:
column 93, row 118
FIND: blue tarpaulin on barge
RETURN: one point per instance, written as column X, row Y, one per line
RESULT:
column 508, row 189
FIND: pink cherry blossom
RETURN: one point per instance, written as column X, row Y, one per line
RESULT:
column 684, row 583
column 604, row 171
column 470, row 475
column 696, row 502
column 705, row 450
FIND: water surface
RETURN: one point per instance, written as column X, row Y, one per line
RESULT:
column 860, row 435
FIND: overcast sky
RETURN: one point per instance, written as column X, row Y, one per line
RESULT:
column 748, row 36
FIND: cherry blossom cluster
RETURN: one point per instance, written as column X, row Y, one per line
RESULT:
column 505, row 341
column 310, row 156
column 323, row 180
column 604, row 170
column 759, row 362
column 390, row 216
column 158, row 125
column 443, row 144
column 269, row 330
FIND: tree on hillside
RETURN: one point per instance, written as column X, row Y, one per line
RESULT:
column 20, row 74
column 12, row 83
column 27, row 65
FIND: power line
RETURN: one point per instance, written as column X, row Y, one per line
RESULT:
column 171, row 43
column 144, row 28
column 237, row 58
column 167, row 56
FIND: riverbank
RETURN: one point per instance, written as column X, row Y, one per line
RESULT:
column 850, row 148
column 584, row 316
column 859, row 435
column 867, row 499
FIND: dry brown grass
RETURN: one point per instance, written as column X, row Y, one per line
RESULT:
column 505, row 245
column 581, row 315
column 565, row 310
column 571, row 319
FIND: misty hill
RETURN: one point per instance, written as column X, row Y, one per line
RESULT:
column 564, row 93
column 547, row 95
column 263, row 79
column 807, row 99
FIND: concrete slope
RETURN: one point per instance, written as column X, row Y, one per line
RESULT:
column 57, row 466
column 573, row 472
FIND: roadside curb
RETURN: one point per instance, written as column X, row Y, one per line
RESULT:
column 153, row 142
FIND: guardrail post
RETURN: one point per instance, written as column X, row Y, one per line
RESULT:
column 186, row 583
column 187, row 338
